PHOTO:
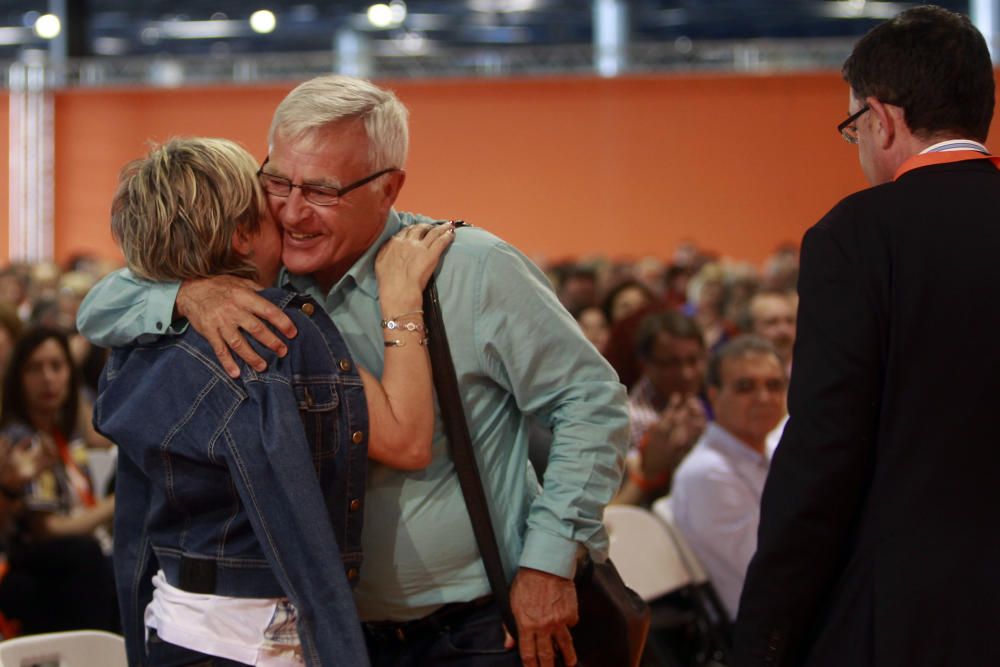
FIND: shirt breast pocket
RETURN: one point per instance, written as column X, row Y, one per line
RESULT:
column 320, row 410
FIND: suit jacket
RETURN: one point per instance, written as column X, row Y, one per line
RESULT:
column 878, row 542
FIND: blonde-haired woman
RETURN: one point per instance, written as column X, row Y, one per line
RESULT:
column 236, row 495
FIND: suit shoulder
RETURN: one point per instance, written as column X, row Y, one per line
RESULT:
column 858, row 207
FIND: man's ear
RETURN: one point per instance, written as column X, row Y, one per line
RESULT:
column 889, row 121
column 391, row 186
column 241, row 242
column 712, row 392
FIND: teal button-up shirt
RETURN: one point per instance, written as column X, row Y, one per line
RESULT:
column 517, row 352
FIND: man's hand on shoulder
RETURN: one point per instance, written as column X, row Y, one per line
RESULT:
column 545, row 608
column 220, row 307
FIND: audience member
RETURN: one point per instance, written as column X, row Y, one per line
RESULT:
column 716, row 490
column 666, row 409
column 577, row 287
column 59, row 577
column 624, row 299
column 594, row 324
column 706, row 303
column 15, row 288
column 42, row 397
column 772, row 317
column 11, row 327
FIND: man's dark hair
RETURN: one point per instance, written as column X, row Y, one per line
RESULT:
column 934, row 64
column 670, row 322
column 737, row 348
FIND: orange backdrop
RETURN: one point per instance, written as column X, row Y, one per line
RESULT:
column 560, row 167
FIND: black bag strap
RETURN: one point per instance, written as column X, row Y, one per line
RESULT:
column 456, row 430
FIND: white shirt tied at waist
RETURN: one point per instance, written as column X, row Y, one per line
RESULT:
column 255, row 631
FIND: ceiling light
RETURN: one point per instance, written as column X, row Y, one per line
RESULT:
column 398, row 10
column 48, row 26
column 380, row 15
column 263, row 21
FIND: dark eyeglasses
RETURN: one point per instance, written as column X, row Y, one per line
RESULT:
column 321, row 195
column 849, row 129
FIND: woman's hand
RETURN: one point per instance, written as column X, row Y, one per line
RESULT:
column 406, row 263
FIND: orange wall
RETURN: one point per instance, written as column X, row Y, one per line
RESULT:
column 560, row 167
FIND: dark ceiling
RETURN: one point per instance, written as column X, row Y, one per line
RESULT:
column 124, row 28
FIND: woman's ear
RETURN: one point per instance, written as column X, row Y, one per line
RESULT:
column 241, row 242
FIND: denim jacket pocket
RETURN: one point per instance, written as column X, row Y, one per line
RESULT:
column 318, row 405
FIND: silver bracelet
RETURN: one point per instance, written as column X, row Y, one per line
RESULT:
column 395, row 342
column 395, row 325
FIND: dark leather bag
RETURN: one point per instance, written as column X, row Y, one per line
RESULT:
column 614, row 620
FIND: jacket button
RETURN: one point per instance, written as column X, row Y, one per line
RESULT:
column 357, row 437
column 352, row 574
column 355, row 505
column 345, row 365
column 308, row 308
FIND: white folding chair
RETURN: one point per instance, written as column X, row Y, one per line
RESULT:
column 82, row 648
column 665, row 513
column 689, row 625
column 647, row 552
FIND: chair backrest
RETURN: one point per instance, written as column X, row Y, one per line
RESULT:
column 647, row 553
column 82, row 648
column 665, row 513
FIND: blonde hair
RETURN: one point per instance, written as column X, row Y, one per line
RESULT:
column 325, row 100
column 176, row 209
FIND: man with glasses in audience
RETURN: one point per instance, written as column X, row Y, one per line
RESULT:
column 715, row 495
column 337, row 151
column 877, row 542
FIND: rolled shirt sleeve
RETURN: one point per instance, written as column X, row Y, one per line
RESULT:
column 533, row 348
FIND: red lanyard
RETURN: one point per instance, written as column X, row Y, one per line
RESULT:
column 942, row 157
column 76, row 477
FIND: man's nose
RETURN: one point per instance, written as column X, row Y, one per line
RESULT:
column 290, row 209
column 689, row 371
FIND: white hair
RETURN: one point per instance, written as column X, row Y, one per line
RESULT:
column 325, row 100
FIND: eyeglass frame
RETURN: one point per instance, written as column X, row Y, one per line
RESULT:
column 848, row 122
column 307, row 188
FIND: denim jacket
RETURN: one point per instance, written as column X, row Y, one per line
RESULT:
column 244, row 487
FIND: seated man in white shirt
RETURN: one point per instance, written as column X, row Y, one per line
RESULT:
column 717, row 489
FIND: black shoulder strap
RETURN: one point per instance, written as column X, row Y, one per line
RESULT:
column 460, row 445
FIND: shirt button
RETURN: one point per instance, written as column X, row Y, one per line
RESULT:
column 159, row 326
column 308, row 308
column 355, row 505
column 345, row 365
column 352, row 574
column 357, row 437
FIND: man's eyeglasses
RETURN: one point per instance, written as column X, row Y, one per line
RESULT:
column 320, row 195
column 849, row 129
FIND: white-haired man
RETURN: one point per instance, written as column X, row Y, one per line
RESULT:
column 337, row 150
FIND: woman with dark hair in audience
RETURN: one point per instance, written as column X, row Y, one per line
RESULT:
column 624, row 299
column 58, row 578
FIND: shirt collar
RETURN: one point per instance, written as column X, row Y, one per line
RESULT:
column 722, row 440
column 361, row 273
column 956, row 145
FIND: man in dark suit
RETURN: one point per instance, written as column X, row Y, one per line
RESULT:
column 878, row 543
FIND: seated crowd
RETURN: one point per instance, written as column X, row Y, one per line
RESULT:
column 707, row 404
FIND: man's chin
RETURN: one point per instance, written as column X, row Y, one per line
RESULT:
column 298, row 264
